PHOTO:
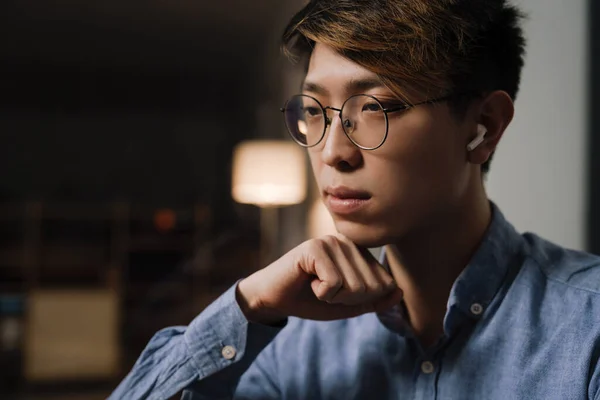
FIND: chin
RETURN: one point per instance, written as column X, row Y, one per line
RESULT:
column 363, row 235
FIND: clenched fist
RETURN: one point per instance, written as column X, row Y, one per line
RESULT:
column 322, row 279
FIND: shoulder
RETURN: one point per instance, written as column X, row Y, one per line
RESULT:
column 573, row 269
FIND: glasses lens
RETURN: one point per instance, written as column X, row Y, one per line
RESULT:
column 364, row 121
column 305, row 120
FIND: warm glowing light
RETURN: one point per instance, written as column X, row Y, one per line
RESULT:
column 268, row 173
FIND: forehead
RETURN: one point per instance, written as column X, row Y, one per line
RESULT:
column 327, row 69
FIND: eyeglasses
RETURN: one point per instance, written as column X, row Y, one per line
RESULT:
column 364, row 119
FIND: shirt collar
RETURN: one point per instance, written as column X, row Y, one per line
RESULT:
column 478, row 283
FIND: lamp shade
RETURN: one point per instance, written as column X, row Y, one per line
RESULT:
column 268, row 173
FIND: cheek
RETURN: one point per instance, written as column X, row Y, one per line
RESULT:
column 421, row 157
column 419, row 146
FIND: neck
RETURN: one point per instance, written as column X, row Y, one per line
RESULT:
column 426, row 264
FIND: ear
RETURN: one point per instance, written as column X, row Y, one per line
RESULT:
column 495, row 113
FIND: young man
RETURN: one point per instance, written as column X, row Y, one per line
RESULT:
column 402, row 107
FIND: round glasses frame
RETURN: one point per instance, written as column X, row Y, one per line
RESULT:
column 328, row 120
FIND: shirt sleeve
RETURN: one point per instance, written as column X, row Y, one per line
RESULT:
column 260, row 381
column 209, row 356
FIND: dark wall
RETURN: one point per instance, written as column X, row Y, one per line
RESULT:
column 100, row 136
column 130, row 100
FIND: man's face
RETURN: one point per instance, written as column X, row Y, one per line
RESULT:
column 408, row 185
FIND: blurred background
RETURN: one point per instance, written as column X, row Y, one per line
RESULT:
column 127, row 128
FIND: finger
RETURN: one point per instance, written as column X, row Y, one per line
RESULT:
column 328, row 294
column 385, row 278
column 368, row 267
column 377, row 280
column 389, row 300
column 354, row 289
column 318, row 262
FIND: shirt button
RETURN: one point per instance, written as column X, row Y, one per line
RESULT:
column 427, row 367
column 228, row 352
column 476, row 309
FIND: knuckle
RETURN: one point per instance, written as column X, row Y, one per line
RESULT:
column 330, row 240
column 389, row 284
column 312, row 244
column 386, row 279
column 315, row 246
column 341, row 237
column 372, row 286
column 357, row 287
column 334, row 283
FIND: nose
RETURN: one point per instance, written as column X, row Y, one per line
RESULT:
column 338, row 151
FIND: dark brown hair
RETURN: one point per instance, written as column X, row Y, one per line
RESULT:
column 431, row 47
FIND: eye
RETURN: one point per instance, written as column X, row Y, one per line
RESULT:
column 312, row 111
column 371, row 107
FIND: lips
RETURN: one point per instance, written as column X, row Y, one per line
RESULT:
column 345, row 193
column 342, row 200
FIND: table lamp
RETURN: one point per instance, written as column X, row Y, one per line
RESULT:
column 269, row 174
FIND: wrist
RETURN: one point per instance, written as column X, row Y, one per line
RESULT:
column 251, row 306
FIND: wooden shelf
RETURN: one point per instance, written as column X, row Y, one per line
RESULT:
column 113, row 247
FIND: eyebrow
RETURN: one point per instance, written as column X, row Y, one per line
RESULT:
column 352, row 86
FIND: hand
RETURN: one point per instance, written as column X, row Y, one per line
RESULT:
column 322, row 279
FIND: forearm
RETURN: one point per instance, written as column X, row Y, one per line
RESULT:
column 214, row 350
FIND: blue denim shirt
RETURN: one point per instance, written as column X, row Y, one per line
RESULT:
column 522, row 322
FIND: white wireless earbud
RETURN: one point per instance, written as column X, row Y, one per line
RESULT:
column 481, row 131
